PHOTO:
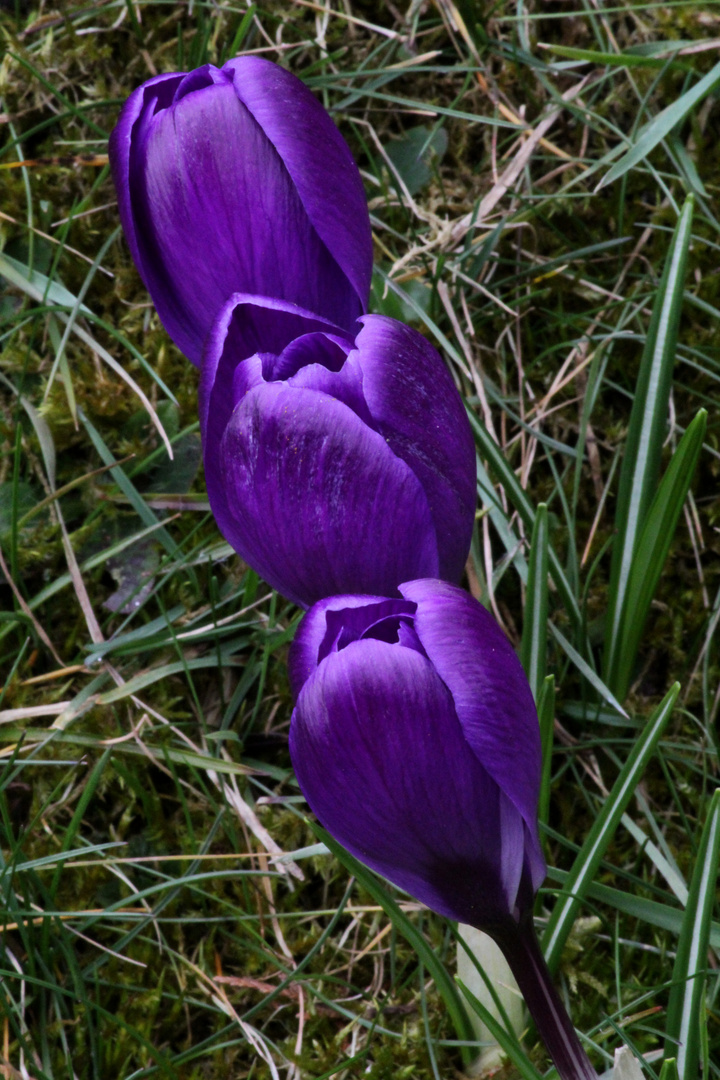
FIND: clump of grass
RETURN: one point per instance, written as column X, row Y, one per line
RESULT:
column 149, row 928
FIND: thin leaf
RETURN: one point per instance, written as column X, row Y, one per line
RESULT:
column 164, row 671
column 503, row 1038
column 86, row 795
column 648, row 422
column 683, row 1028
column 623, row 59
column 61, row 345
column 653, row 546
column 546, row 716
column 490, row 450
column 188, row 758
column 492, row 504
column 38, row 286
column 664, row 916
column 42, row 289
column 42, row 431
column 662, row 865
column 128, row 489
column 533, row 647
column 588, row 858
column 584, row 668
column 662, row 124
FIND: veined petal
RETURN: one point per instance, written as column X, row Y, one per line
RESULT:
column 382, row 760
column 345, row 385
column 492, row 697
column 416, row 407
column 245, row 326
column 304, row 655
column 327, row 350
column 311, row 644
column 155, row 94
column 315, row 501
column 219, row 214
column 327, row 179
column 535, row 869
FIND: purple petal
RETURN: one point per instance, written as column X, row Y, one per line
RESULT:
column 327, row 179
column 226, row 217
column 200, row 79
column 246, row 325
column 210, row 207
column 345, row 385
column 315, row 501
column 415, row 405
column 381, row 621
column 153, row 95
column 328, row 350
column 312, row 641
column 535, row 869
column 492, row 696
column 382, row 760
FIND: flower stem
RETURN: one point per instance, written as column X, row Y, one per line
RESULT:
column 522, row 952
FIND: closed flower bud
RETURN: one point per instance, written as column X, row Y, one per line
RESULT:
column 334, row 463
column 416, row 742
column 235, row 179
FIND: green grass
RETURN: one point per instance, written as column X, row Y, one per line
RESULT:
column 146, row 792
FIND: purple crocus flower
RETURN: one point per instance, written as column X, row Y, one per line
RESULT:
column 416, row 742
column 334, row 462
column 236, row 179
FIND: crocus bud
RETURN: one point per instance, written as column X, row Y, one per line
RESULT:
column 235, row 179
column 334, row 463
column 416, row 742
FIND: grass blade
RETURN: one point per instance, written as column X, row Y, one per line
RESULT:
column 683, row 1031
column 653, row 546
column 623, row 59
column 661, row 125
column 546, row 716
column 637, row 907
column 128, row 489
column 648, row 421
column 503, row 1038
column 490, row 450
column 586, row 671
column 533, row 647
column 589, row 856
column 42, row 289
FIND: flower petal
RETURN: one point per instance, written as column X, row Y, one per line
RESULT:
column 327, row 350
column 345, row 385
column 153, row 95
column 382, row 760
column 492, row 696
column 315, row 501
column 210, row 207
column 311, row 644
column 327, row 179
column 415, row 405
column 246, row 325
